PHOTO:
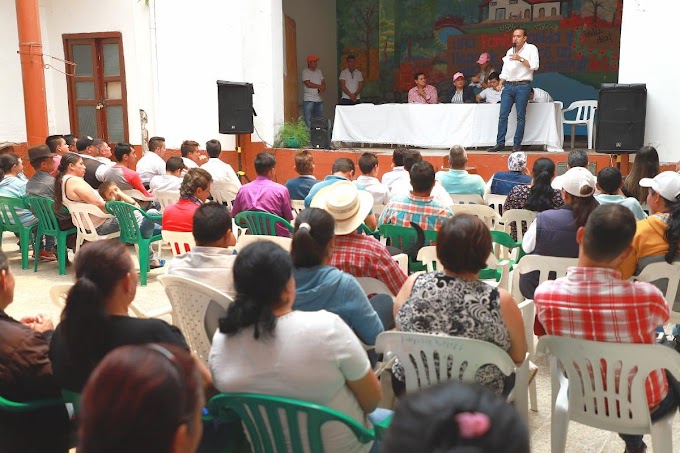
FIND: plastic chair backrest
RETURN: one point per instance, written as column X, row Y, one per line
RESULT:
column 372, row 285
column 430, row 359
column 8, row 212
column 29, row 406
column 544, row 264
column 221, row 193
column 488, row 215
column 495, row 202
column 81, row 214
column 378, row 209
column 593, row 373
column 190, row 300
column 246, row 239
column 125, row 213
column 428, row 256
column 137, row 195
column 517, row 216
column 504, row 246
column 670, row 273
column 277, row 424
column 585, row 111
column 180, row 241
column 58, row 294
column 43, row 209
column 468, row 198
column 166, row 198
column 259, row 222
column 297, row 205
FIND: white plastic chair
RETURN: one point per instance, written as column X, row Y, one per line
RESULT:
column 222, row 192
column 378, row 209
column 298, row 206
column 372, row 285
column 402, row 261
column 468, row 198
column 585, row 116
column 426, row 360
column 166, row 198
column 246, row 239
column 670, row 273
column 495, row 202
column 190, row 300
column 428, row 256
column 81, row 215
column 517, row 216
column 180, row 241
column 488, row 215
column 545, row 265
column 137, row 195
column 587, row 387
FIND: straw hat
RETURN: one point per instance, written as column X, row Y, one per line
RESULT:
column 348, row 205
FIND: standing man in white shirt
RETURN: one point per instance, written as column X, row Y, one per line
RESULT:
column 315, row 87
column 152, row 163
column 351, row 82
column 519, row 64
column 221, row 172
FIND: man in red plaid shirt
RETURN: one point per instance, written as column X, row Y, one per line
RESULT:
column 593, row 303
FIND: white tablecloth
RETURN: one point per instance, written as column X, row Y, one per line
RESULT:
column 444, row 125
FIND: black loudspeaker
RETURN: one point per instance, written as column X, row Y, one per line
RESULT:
column 320, row 133
column 621, row 112
column 235, row 107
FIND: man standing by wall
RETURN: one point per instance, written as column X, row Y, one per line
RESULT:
column 519, row 64
column 315, row 87
column 351, row 82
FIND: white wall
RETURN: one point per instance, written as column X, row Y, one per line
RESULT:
column 316, row 26
column 12, row 119
column 647, row 37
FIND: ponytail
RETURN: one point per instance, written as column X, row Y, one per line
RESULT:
column 66, row 160
column 541, row 193
column 581, row 207
column 314, row 230
column 673, row 230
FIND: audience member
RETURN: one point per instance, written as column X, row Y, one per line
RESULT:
column 209, row 261
column 191, row 157
column 156, row 407
column 95, row 171
column 537, row 196
column 152, row 164
column 97, row 310
column 368, row 164
column 553, row 233
column 101, row 152
column 422, row 93
column 58, row 146
column 461, row 93
column 264, row 194
column 418, row 206
column 7, row 147
column 490, row 94
column 71, row 143
column 71, row 189
column 357, row 254
column 575, row 158
column 351, row 82
column 122, row 173
column 645, row 165
column 13, row 185
column 454, row 302
column 609, row 183
column 538, row 95
column 397, row 173
column 485, row 70
column 26, row 375
column 299, row 187
column 172, row 179
column 314, row 88
column 193, row 192
column 264, row 346
column 319, row 286
column 456, row 417
column 457, row 180
column 626, row 312
column 402, row 187
column 221, row 172
column 502, row 182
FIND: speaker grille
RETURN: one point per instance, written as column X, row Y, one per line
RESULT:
column 235, row 107
column 621, row 113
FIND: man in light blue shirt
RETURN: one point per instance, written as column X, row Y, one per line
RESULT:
column 457, row 180
column 609, row 182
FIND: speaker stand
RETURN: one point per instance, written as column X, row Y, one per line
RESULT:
column 240, row 173
column 623, row 163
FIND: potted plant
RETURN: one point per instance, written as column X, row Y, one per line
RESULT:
column 293, row 134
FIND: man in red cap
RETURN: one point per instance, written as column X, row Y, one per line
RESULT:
column 315, row 87
column 482, row 79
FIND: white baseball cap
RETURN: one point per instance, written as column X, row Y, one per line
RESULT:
column 577, row 181
column 666, row 184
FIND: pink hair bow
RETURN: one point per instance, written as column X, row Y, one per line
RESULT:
column 472, row 425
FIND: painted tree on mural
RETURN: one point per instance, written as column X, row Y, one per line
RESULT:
column 358, row 27
column 600, row 8
column 414, row 26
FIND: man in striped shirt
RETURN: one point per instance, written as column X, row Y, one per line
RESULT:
column 593, row 303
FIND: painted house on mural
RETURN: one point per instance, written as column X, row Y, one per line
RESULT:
column 500, row 10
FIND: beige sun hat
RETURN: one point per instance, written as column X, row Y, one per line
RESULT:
column 348, row 205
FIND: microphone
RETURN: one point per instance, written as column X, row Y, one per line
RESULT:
column 514, row 47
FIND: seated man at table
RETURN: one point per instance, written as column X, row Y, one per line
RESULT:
column 403, row 187
column 538, row 95
column 461, row 93
column 422, row 93
column 418, row 206
column 457, row 180
column 491, row 95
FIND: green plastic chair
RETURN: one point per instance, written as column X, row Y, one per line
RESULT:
column 130, row 233
column 262, row 223
column 404, row 238
column 261, row 415
column 48, row 225
column 28, row 406
column 503, row 246
column 11, row 222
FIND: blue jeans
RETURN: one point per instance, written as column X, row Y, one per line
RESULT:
column 150, row 227
column 374, row 417
column 311, row 110
column 518, row 95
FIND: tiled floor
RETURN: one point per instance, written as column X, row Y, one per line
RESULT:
column 32, row 295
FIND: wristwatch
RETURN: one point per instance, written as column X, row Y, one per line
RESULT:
column 521, row 60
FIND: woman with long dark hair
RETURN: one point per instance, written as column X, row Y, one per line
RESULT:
column 538, row 196
column 265, row 346
column 645, row 165
column 142, row 398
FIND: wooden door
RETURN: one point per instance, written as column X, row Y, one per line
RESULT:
column 97, row 95
column 290, row 79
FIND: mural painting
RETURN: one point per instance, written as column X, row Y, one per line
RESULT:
column 578, row 42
